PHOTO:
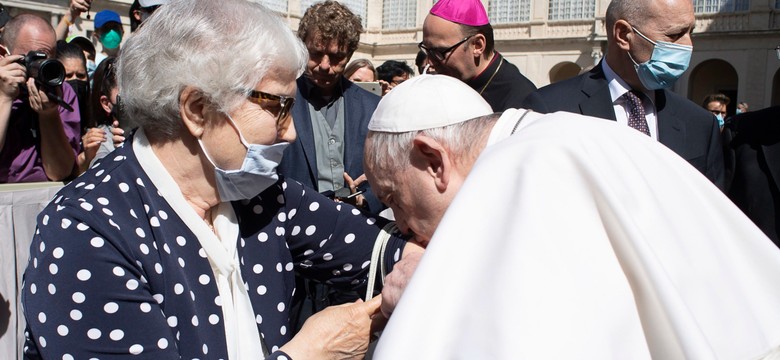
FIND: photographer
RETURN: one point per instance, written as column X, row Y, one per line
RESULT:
column 39, row 138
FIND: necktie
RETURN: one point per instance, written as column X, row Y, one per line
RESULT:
column 636, row 113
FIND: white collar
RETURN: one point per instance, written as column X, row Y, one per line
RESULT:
column 241, row 333
column 617, row 86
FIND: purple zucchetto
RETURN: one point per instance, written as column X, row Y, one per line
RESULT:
column 465, row 12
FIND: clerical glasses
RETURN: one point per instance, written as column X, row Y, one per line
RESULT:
column 274, row 104
column 440, row 54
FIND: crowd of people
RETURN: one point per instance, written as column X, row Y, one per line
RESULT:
column 237, row 204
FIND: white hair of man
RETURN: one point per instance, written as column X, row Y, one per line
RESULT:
column 458, row 117
column 224, row 48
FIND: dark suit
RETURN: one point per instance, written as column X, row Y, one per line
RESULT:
column 300, row 158
column 502, row 85
column 753, row 166
column 300, row 163
column 683, row 126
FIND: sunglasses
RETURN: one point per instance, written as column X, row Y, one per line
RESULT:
column 440, row 54
column 274, row 104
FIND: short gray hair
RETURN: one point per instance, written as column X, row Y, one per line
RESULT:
column 387, row 151
column 223, row 48
column 14, row 27
column 633, row 11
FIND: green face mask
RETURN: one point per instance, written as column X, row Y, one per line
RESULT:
column 111, row 39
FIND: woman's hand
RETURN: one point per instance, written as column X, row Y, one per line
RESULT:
column 117, row 134
column 338, row 332
column 91, row 142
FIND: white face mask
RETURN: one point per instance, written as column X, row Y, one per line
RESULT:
column 257, row 173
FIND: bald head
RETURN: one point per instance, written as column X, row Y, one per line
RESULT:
column 641, row 12
column 28, row 32
column 633, row 11
column 634, row 27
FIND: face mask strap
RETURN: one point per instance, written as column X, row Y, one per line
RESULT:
column 240, row 136
column 643, row 36
column 203, row 148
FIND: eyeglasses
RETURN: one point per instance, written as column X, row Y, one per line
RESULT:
column 440, row 54
column 274, row 104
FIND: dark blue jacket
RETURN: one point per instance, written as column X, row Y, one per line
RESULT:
column 300, row 158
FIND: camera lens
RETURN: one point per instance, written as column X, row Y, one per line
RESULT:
column 51, row 72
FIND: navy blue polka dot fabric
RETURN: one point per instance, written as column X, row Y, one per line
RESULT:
column 114, row 271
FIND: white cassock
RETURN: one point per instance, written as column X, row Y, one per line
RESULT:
column 577, row 238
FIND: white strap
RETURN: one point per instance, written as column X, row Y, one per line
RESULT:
column 378, row 256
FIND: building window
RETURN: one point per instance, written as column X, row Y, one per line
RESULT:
column 716, row 6
column 510, row 11
column 399, row 14
column 571, row 9
column 276, row 5
column 358, row 7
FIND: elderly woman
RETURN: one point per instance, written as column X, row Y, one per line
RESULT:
column 183, row 243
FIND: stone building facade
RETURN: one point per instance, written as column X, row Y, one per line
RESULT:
column 735, row 41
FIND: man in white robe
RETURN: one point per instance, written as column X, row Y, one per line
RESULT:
column 572, row 238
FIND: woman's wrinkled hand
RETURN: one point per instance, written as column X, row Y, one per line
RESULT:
column 338, row 332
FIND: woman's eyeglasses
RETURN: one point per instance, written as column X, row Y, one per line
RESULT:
column 275, row 104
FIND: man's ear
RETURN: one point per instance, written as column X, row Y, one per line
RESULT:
column 192, row 108
column 431, row 155
column 623, row 32
column 480, row 43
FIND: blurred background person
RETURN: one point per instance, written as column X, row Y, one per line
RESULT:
column 99, row 139
column 108, row 32
column 753, row 167
column 39, row 137
column 140, row 10
column 4, row 18
column 72, row 58
column 69, row 18
column 360, row 70
column 717, row 104
column 742, row 107
column 422, row 63
column 392, row 73
column 88, row 48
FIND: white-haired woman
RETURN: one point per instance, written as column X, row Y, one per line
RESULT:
column 165, row 249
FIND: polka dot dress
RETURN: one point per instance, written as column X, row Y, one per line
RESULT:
column 114, row 271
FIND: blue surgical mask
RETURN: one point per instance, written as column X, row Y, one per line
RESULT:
column 111, row 39
column 667, row 63
column 739, row 111
column 721, row 121
column 91, row 66
column 257, row 173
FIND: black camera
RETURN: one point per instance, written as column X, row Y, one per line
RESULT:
column 47, row 72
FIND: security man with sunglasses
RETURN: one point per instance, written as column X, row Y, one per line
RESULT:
column 458, row 40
